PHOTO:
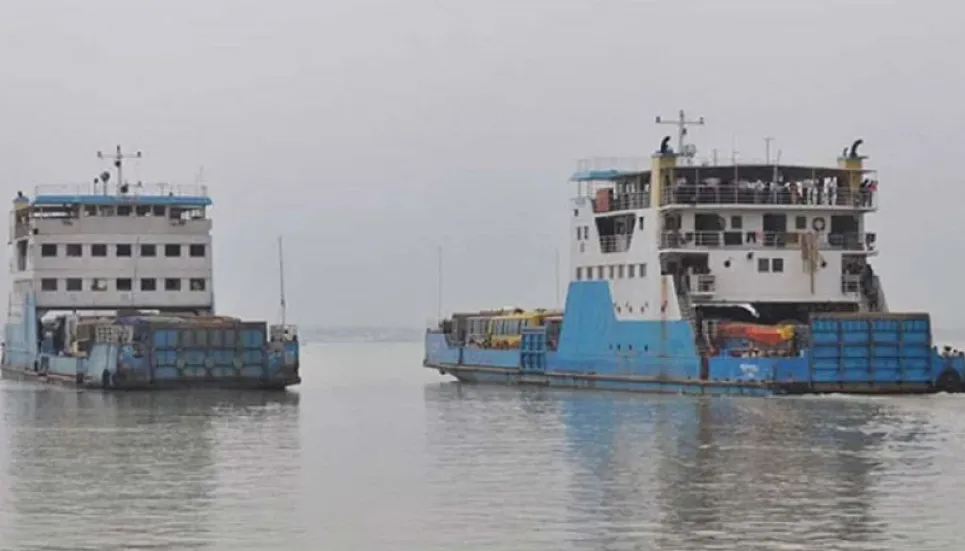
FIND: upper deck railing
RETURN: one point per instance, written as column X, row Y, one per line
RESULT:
column 603, row 165
column 621, row 201
column 863, row 198
column 154, row 189
column 850, row 241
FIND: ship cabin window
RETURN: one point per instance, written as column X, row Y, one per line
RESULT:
column 187, row 213
column 612, row 270
column 197, row 284
column 48, row 284
column 196, row 250
column 48, row 249
column 172, row 250
column 763, row 265
column 159, row 210
column 631, row 270
column 106, row 211
column 599, row 272
column 640, row 223
column 736, row 223
column 708, row 227
column 98, row 284
column 579, row 273
column 777, row 265
column 172, row 284
column 148, row 250
column 643, row 270
column 123, row 249
column 98, row 250
column 124, row 284
column 142, row 210
column 620, row 271
column 74, row 249
column 90, row 210
column 148, row 284
column 124, row 210
column 579, row 233
column 800, row 222
column 74, row 284
column 576, row 212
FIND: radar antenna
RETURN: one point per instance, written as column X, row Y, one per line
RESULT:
column 682, row 123
column 118, row 161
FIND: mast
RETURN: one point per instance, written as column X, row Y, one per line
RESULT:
column 557, row 277
column 439, row 283
column 681, row 123
column 118, row 164
column 281, row 281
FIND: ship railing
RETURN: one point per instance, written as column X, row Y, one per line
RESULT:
column 622, row 201
column 739, row 195
column 851, row 241
column 615, row 243
column 617, row 164
column 134, row 190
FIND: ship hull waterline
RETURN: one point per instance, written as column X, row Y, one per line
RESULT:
column 13, row 373
column 500, row 376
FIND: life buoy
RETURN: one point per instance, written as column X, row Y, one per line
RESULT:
column 818, row 224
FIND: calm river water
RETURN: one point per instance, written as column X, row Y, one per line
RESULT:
column 374, row 453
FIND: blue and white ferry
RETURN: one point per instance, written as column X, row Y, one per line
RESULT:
column 706, row 278
column 112, row 288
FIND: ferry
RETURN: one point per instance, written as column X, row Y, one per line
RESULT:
column 112, row 288
column 696, row 277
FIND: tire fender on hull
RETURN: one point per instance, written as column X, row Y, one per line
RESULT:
column 949, row 381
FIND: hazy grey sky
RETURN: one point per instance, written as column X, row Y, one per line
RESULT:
column 370, row 131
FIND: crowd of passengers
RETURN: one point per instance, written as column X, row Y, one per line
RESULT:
column 822, row 191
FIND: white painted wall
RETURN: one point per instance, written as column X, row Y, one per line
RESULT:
column 111, row 231
column 637, row 298
column 640, row 297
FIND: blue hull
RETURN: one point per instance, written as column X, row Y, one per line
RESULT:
column 155, row 353
column 514, row 377
column 860, row 354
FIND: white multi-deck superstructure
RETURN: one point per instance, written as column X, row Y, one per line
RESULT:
column 762, row 241
column 112, row 289
column 113, row 246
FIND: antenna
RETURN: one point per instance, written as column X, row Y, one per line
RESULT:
column 118, row 159
column 767, row 149
column 439, row 283
column 557, row 277
column 281, row 281
column 681, row 124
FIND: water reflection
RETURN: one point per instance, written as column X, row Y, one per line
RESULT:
column 89, row 470
column 650, row 472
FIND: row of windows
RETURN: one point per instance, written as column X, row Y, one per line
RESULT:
column 774, row 265
column 171, row 250
column 123, row 284
column 613, row 271
column 73, row 211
